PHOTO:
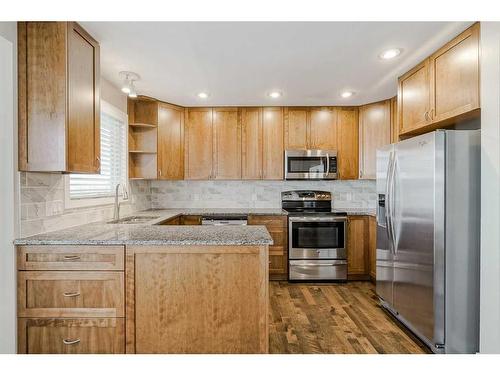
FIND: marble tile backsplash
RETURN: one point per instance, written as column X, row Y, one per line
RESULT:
column 43, row 204
column 256, row 194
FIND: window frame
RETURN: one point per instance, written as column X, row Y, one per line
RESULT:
column 70, row 203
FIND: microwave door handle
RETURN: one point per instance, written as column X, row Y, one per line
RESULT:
column 327, row 165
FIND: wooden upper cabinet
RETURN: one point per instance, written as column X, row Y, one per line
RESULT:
column 455, row 76
column 272, row 143
column 323, row 129
column 59, row 98
column 227, row 144
column 348, row 143
column 251, row 143
column 414, row 98
column 394, row 120
column 170, row 142
column 198, row 144
column 374, row 132
column 297, row 128
column 443, row 89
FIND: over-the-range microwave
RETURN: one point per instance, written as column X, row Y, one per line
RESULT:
column 310, row 164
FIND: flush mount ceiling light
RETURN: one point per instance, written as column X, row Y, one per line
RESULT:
column 275, row 94
column 347, row 94
column 390, row 53
column 203, row 95
column 128, row 83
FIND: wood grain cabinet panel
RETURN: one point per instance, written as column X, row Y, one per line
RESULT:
column 71, row 336
column 454, row 72
column 59, row 98
column 348, row 143
column 272, row 143
column 66, row 258
column 297, row 128
column 70, row 294
column 323, row 128
column 227, row 144
column 251, row 143
column 372, row 243
column 357, row 251
column 170, row 142
column 197, row 299
column 394, row 120
column 374, row 132
column 414, row 98
column 198, row 144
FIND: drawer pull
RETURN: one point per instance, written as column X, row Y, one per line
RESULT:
column 70, row 342
column 71, row 294
column 72, row 257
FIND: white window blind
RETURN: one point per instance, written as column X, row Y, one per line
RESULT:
column 113, row 159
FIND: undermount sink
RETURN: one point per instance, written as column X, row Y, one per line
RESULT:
column 134, row 220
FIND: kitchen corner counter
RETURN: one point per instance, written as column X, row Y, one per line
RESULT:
column 148, row 233
column 357, row 211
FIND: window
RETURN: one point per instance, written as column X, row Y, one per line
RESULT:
column 95, row 189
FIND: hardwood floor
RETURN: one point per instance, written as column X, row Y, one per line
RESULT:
column 340, row 318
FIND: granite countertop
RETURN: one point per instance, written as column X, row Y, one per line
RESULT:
column 147, row 233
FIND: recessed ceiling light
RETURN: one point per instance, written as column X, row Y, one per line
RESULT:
column 275, row 94
column 390, row 53
column 203, row 95
column 347, row 94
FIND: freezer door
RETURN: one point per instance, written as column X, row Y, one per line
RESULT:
column 418, row 223
column 384, row 256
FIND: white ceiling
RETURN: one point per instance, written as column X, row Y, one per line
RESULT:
column 238, row 63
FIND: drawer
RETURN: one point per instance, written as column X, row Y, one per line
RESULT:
column 60, row 294
column 269, row 221
column 318, row 270
column 71, row 336
column 82, row 258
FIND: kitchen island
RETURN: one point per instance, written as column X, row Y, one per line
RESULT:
column 144, row 288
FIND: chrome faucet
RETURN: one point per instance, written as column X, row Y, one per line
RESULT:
column 116, row 215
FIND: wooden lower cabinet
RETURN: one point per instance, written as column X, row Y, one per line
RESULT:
column 71, row 336
column 278, row 252
column 372, row 243
column 197, row 299
column 357, row 248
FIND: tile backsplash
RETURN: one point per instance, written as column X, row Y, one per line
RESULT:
column 43, row 204
column 43, row 198
column 255, row 194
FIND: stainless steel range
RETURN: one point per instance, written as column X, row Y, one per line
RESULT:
column 317, row 237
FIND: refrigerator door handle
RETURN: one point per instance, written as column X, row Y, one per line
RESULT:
column 393, row 203
column 388, row 202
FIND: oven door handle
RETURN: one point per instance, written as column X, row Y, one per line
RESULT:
column 317, row 219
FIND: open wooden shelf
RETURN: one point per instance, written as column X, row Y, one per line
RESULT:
column 142, row 125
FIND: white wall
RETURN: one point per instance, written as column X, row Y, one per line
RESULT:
column 9, row 185
column 490, row 188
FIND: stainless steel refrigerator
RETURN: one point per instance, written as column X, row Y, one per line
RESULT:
column 428, row 230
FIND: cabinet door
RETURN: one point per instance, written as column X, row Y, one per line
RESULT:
column 455, row 76
column 296, row 128
column 198, row 144
column 251, row 143
column 414, row 98
column 170, row 142
column 372, row 239
column 272, row 144
column 348, row 144
column 357, row 252
column 83, row 107
column 375, row 129
column 394, row 120
column 323, row 129
column 227, row 160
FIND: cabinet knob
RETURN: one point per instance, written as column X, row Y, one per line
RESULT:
column 159, row 172
column 98, row 159
column 70, row 341
column 71, row 294
column 426, row 114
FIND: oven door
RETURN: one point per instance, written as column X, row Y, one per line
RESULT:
column 317, row 237
column 310, row 164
